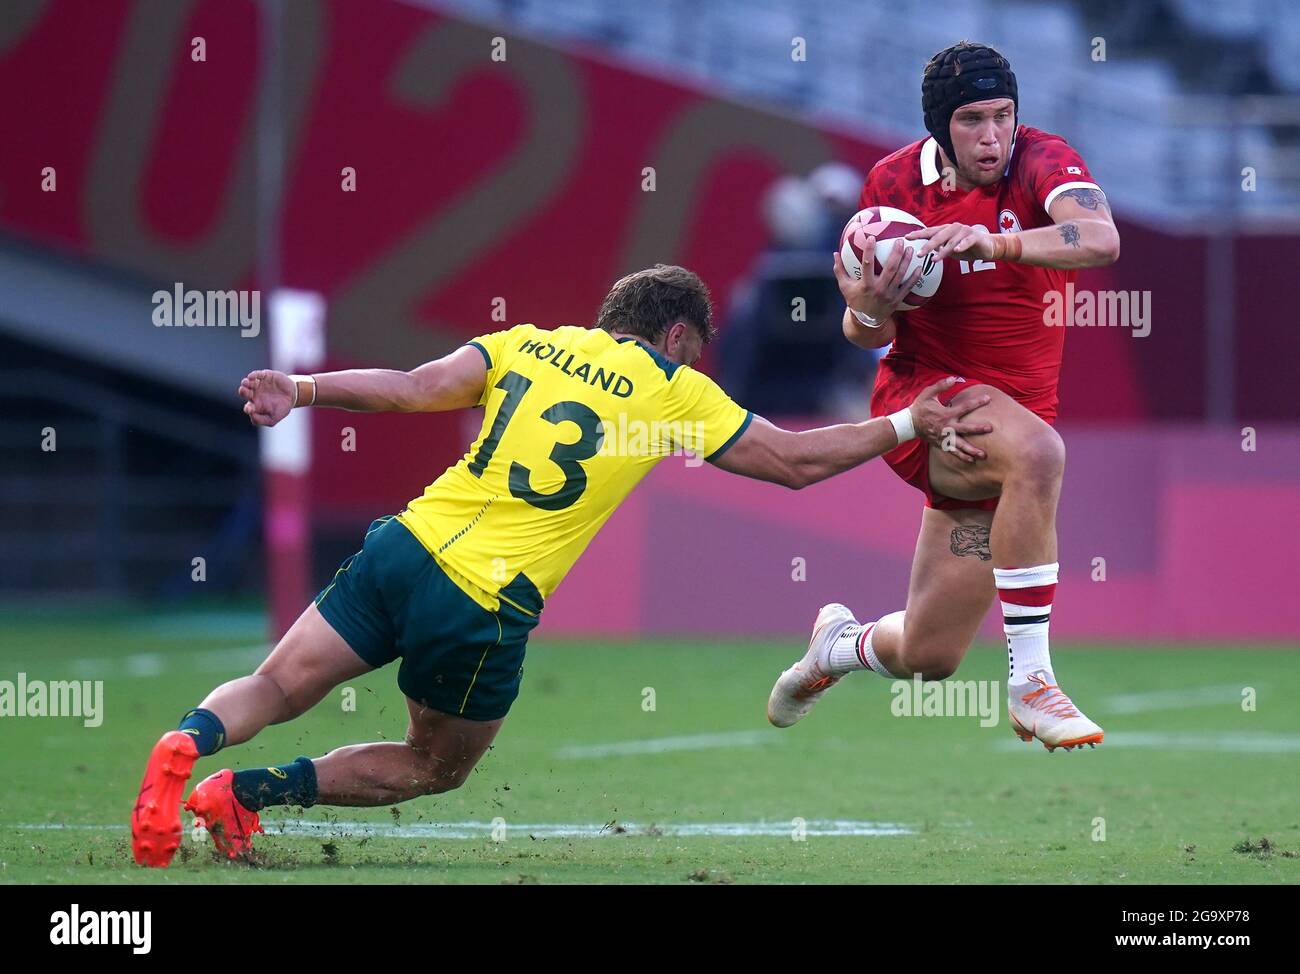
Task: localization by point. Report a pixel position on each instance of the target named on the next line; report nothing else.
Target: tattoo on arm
(1089, 199)
(1069, 233)
(971, 539)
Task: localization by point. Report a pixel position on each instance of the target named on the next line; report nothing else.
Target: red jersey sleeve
(1049, 167)
(868, 195)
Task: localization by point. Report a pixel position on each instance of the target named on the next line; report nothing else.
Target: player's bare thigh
(450, 746)
(309, 661)
(950, 591)
(1021, 443)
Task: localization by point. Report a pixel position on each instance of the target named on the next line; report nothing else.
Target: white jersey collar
(929, 162)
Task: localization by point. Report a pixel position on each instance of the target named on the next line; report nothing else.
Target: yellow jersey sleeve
(712, 420)
(493, 348)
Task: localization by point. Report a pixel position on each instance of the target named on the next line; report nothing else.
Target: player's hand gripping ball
(889, 225)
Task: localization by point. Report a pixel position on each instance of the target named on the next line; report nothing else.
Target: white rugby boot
(1042, 710)
(798, 689)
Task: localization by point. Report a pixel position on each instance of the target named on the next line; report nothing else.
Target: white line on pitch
(547, 830)
(1234, 742)
(665, 745)
(154, 664)
(1136, 703)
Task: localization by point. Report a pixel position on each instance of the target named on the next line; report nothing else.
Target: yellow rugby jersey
(574, 419)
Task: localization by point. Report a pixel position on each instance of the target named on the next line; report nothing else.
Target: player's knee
(937, 670)
(1040, 454)
(439, 780)
(436, 775)
(271, 684)
(298, 699)
(931, 663)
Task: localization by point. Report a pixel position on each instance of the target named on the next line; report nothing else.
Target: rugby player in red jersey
(1018, 212)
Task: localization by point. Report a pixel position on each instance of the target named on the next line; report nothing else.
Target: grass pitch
(587, 783)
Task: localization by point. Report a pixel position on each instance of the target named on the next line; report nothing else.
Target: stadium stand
(1168, 92)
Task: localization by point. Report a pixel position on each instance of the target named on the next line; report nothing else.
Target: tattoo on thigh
(971, 539)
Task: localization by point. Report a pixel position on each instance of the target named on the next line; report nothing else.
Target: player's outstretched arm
(454, 381)
(780, 456)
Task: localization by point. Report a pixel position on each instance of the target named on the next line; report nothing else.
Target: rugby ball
(888, 226)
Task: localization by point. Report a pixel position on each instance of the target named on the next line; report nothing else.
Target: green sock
(287, 784)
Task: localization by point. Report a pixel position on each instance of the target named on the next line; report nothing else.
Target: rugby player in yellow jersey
(573, 419)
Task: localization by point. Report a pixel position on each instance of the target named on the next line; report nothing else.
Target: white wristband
(903, 426)
(865, 320)
(295, 379)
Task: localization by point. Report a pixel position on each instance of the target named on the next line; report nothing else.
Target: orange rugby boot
(216, 809)
(156, 818)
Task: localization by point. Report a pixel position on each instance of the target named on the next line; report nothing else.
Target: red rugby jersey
(985, 323)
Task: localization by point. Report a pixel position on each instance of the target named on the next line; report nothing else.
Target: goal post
(297, 338)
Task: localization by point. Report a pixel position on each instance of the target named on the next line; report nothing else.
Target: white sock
(852, 650)
(1026, 595)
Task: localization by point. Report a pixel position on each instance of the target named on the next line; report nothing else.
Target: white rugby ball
(888, 225)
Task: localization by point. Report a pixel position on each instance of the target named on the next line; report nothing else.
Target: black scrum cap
(957, 76)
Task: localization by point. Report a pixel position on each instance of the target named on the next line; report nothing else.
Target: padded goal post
(297, 338)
